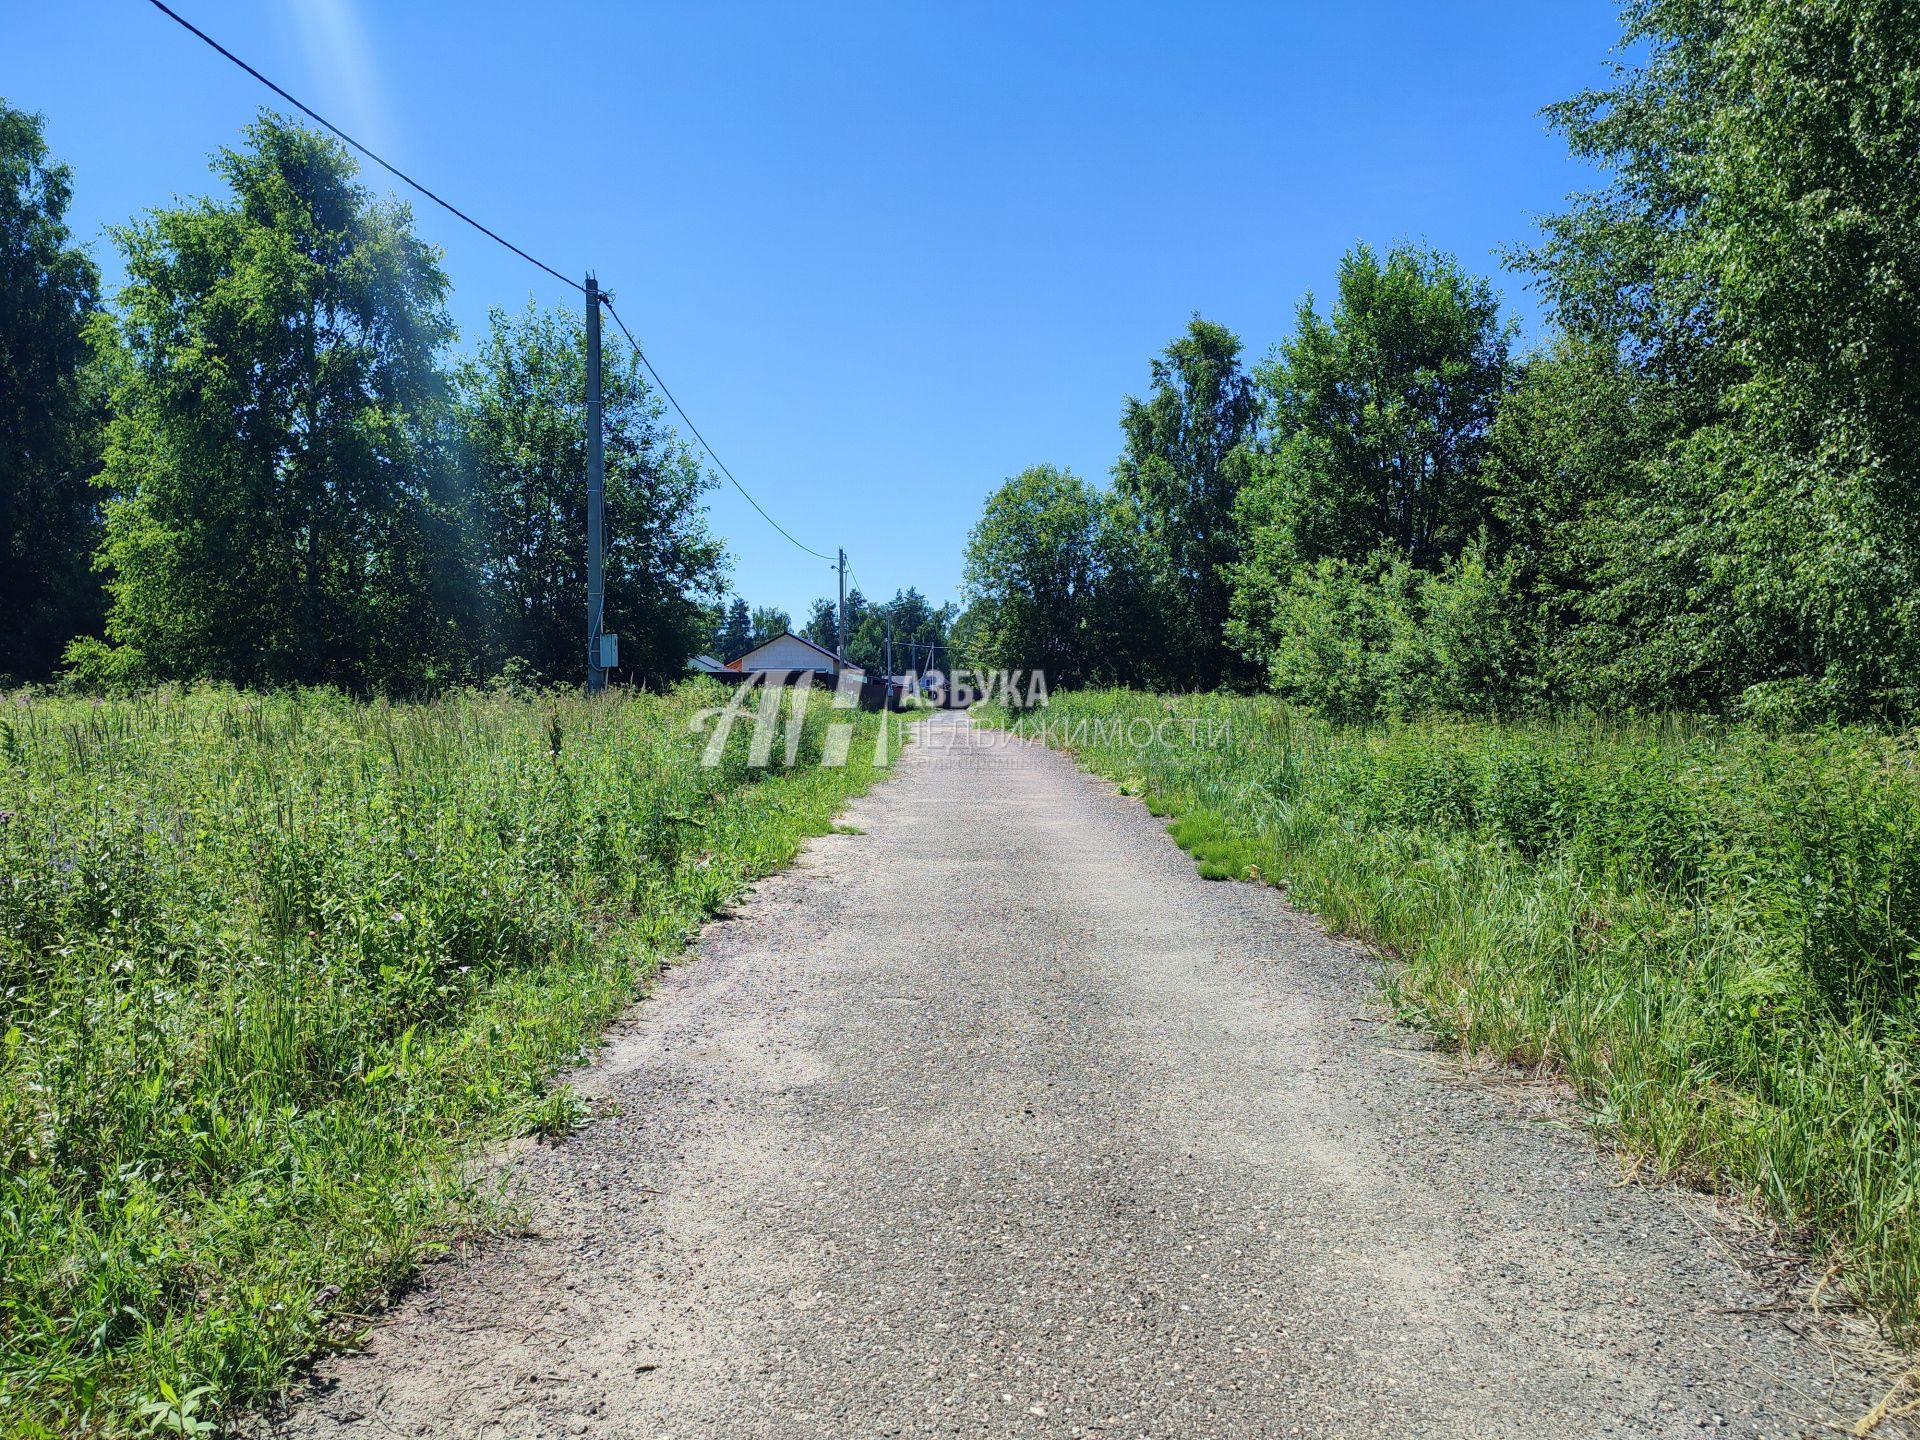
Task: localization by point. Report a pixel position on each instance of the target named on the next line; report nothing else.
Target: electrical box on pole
(596, 501)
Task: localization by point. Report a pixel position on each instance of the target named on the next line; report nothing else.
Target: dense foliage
(1132, 583)
(1756, 259)
(1176, 486)
(1379, 414)
(521, 406)
(278, 507)
(49, 409)
(273, 965)
(1712, 930)
(1032, 568)
(1701, 492)
(739, 628)
(259, 466)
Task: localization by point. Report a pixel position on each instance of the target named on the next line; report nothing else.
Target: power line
(687, 420)
(455, 210)
(385, 164)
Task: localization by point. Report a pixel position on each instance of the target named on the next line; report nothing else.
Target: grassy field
(1710, 930)
(274, 967)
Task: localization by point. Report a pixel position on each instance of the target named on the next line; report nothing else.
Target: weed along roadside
(1710, 930)
(275, 966)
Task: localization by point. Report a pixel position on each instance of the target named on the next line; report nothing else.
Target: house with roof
(791, 653)
(788, 656)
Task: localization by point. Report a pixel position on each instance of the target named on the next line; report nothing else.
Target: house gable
(788, 651)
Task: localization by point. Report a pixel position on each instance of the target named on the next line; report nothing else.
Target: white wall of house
(788, 652)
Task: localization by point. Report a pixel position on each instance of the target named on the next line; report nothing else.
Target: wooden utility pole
(596, 495)
(840, 630)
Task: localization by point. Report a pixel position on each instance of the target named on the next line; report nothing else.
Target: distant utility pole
(840, 630)
(596, 495)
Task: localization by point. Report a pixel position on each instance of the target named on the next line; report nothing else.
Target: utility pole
(840, 630)
(596, 494)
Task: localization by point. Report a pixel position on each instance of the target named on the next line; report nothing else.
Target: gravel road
(996, 1119)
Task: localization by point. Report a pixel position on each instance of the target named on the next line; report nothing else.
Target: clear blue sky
(885, 253)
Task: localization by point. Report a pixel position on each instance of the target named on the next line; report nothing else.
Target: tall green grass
(1711, 930)
(272, 967)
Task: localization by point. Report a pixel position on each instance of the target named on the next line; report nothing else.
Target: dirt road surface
(996, 1119)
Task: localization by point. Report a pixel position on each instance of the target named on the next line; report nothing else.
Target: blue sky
(886, 254)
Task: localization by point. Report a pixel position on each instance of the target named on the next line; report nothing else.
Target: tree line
(1701, 491)
(257, 465)
(916, 627)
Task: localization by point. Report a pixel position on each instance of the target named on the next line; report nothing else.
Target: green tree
(1756, 253)
(915, 621)
(823, 620)
(1183, 468)
(918, 629)
(522, 404)
(1478, 647)
(280, 505)
(1139, 631)
(1566, 459)
(767, 622)
(1379, 416)
(1031, 575)
(964, 643)
(734, 635)
(49, 410)
(1380, 411)
(1568, 435)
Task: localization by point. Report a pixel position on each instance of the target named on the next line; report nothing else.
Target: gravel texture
(996, 1119)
